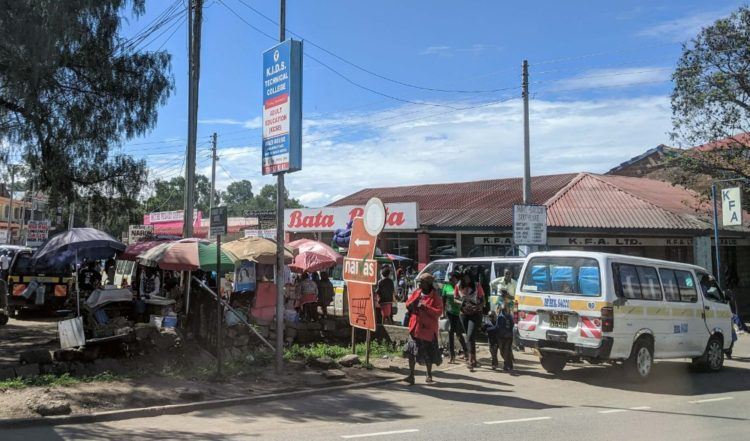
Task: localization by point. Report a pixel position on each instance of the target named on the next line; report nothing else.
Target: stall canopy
(77, 244)
(258, 250)
(140, 247)
(187, 255)
(313, 256)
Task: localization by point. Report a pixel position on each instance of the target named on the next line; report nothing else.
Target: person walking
(424, 307)
(325, 293)
(505, 327)
(309, 297)
(471, 296)
(452, 311)
(4, 264)
(493, 337)
(385, 291)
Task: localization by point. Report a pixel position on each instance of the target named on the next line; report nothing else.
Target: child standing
(505, 331)
(493, 336)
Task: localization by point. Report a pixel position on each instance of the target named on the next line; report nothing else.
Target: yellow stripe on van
(657, 311)
(635, 310)
(530, 301)
(723, 314)
(28, 279)
(682, 312)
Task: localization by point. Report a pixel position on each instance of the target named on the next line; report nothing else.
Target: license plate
(557, 320)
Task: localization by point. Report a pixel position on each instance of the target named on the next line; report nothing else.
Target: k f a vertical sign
(731, 206)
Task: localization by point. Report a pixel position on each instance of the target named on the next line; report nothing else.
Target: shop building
(585, 211)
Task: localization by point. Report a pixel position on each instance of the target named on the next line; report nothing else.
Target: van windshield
(563, 275)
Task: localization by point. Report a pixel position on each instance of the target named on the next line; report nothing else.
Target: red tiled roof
(577, 200)
(741, 138)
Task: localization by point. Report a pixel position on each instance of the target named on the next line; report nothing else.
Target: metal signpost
(218, 227)
(360, 269)
(282, 142)
(530, 225)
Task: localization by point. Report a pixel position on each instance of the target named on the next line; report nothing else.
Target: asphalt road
(584, 402)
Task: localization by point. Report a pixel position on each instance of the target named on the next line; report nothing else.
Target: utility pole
(195, 18)
(10, 207)
(214, 158)
(526, 140)
(280, 196)
(71, 215)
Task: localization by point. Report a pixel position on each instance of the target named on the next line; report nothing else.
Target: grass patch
(317, 350)
(63, 380)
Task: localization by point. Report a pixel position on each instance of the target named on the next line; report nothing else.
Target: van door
(716, 309)
(689, 315)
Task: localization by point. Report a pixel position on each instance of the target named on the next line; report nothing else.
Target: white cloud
(449, 51)
(624, 77)
(347, 152)
(683, 28)
(253, 123)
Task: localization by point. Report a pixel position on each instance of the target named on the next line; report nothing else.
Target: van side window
(629, 285)
(668, 281)
(439, 270)
(686, 284)
(650, 287)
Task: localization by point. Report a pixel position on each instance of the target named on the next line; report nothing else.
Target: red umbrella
(313, 256)
(133, 250)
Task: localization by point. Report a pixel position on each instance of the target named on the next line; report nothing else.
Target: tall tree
(239, 197)
(711, 102)
(70, 89)
(170, 195)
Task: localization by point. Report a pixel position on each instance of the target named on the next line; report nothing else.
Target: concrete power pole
(280, 199)
(526, 141)
(195, 19)
(214, 158)
(10, 207)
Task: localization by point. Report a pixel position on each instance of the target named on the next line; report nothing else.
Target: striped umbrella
(187, 255)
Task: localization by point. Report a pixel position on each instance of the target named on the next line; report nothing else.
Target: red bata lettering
(297, 220)
(392, 219)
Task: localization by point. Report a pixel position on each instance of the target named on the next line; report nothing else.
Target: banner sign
(265, 234)
(282, 108)
(138, 232)
(398, 216)
(530, 224)
(167, 216)
(37, 232)
(731, 206)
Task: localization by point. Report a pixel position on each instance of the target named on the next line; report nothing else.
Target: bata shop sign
(398, 216)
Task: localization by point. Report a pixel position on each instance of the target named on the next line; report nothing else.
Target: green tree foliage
(71, 89)
(170, 195)
(239, 197)
(711, 102)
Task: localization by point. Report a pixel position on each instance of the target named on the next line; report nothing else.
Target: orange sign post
(360, 269)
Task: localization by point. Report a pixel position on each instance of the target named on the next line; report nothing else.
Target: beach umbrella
(313, 256)
(187, 255)
(258, 250)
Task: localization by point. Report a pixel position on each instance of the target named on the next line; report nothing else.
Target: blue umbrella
(77, 244)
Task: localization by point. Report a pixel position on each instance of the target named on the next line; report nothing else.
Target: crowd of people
(310, 295)
(462, 304)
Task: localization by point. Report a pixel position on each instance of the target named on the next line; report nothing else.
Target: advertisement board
(37, 232)
(530, 224)
(265, 234)
(399, 216)
(138, 232)
(282, 108)
(731, 206)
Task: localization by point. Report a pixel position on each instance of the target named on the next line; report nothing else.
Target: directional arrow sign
(361, 242)
(360, 273)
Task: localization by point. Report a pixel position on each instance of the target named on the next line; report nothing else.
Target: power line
(375, 74)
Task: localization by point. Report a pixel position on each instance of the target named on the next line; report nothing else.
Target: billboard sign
(37, 232)
(138, 232)
(530, 224)
(398, 216)
(218, 221)
(265, 234)
(282, 108)
(731, 206)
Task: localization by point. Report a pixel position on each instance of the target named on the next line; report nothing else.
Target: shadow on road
(663, 412)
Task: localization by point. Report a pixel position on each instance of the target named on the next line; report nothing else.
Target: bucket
(169, 321)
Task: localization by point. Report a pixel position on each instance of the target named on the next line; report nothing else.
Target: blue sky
(599, 75)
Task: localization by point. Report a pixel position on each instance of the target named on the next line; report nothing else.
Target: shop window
(402, 245)
(443, 246)
(669, 282)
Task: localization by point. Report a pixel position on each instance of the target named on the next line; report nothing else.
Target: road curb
(174, 409)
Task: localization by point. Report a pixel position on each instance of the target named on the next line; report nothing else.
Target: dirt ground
(172, 377)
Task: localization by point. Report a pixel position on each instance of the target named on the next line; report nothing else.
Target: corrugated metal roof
(477, 204)
(596, 201)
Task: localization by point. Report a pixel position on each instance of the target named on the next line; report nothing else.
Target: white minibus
(598, 307)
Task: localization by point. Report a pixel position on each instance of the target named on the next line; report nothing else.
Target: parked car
(622, 309)
(54, 279)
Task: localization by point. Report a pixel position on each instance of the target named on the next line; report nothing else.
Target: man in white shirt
(4, 265)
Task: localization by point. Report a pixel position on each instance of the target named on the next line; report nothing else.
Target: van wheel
(712, 359)
(553, 363)
(3, 319)
(638, 366)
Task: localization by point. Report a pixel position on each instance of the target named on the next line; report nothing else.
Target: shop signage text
(731, 206)
(493, 241)
(138, 232)
(399, 216)
(282, 108)
(167, 216)
(37, 232)
(266, 234)
(530, 224)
